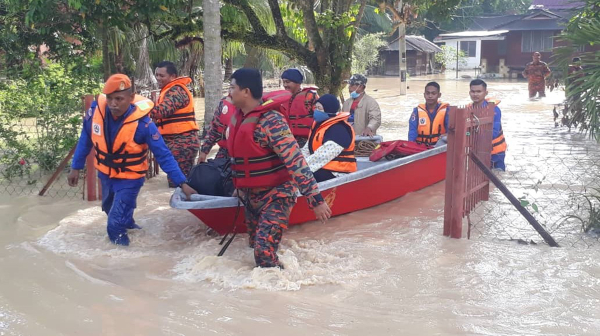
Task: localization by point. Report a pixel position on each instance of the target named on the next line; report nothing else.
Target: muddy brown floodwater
(382, 271)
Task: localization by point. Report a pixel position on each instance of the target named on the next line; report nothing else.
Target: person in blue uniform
(119, 129)
(429, 121)
(478, 92)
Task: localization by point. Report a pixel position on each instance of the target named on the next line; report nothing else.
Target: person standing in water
(267, 184)
(536, 73)
(118, 127)
(429, 121)
(175, 117)
(478, 92)
(216, 132)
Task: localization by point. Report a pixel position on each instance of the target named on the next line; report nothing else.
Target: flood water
(382, 271)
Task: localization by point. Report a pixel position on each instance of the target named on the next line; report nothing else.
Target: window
(532, 41)
(469, 47)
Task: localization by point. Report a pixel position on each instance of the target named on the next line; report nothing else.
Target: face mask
(354, 95)
(320, 116)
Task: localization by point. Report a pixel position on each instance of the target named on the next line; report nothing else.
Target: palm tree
(213, 77)
(583, 95)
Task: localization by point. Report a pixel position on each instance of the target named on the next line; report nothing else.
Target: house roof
(556, 4)
(536, 19)
(414, 42)
(479, 33)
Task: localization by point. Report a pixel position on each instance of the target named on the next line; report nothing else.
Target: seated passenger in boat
(329, 150)
(429, 121)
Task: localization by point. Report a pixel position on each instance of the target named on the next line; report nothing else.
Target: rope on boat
(364, 148)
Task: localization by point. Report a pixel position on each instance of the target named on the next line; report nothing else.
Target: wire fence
(559, 186)
(23, 173)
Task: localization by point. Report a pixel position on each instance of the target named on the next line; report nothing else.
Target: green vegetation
(40, 118)
(366, 52)
(448, 56)
(583, 94)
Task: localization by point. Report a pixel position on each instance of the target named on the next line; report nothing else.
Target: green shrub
(40, 118)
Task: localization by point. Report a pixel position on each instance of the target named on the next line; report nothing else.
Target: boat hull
(357, 194)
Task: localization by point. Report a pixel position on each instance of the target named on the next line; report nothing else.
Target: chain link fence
(559, 185)
(23, 174)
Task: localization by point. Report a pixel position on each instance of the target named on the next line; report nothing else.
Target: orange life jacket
(253, 166)
(345, 162)
(429, 131)
(298, 114)
(126, 159)
(498, 143)
(183, 120)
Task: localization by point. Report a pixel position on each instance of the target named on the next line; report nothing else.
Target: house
(504, 44)
(419, 57)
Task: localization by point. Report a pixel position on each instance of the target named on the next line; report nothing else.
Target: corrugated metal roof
(479, 33)
(490, 23)
(417, 43)
(536, 19)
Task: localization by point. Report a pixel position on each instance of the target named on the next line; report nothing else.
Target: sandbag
(395, 149)
(212, 177)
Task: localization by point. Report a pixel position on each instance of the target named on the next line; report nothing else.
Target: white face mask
(354, 95)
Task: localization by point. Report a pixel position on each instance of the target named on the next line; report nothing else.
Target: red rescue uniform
(299, 111)
(254, 166)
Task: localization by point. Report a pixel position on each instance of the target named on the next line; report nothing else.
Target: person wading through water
(429, 121)
(117, 126)
(175, 117)
(267, 184)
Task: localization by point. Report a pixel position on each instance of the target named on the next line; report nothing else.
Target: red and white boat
(374, 183)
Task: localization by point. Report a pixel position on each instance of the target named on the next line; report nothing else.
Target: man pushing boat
(118, 127)
(267, 167)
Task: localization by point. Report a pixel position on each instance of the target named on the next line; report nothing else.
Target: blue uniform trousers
(498, 161)
(118, 204)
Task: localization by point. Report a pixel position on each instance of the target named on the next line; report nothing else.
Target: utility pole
(402, 48)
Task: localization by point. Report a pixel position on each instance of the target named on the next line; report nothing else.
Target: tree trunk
(143, 74)
(252, 60)
(212, 58)
(105, 53)
(228, 69)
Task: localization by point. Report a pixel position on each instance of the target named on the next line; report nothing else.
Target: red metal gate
(469, 132)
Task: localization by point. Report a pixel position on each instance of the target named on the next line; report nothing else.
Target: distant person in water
(329, 151)
(536, 73)
(478, 92)
(576, 74)
(118, 127)
(429, 121)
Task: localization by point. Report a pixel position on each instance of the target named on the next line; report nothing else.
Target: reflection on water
(381, 271)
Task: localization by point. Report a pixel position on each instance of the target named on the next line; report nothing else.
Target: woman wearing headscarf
(329, 150)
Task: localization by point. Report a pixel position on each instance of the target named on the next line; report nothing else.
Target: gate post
(455, 172)
(92, 183)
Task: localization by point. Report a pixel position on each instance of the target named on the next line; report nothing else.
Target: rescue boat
(374, 183)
